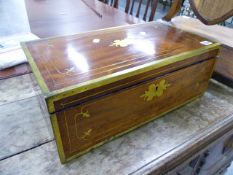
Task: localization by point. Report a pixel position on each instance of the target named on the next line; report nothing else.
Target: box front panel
(84, 126)
(79, 98)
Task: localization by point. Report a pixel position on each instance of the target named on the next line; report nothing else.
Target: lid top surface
(67, 61)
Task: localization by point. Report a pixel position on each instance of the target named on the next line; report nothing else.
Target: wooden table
(64, 17)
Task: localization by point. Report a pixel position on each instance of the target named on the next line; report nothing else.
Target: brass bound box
(101, 84)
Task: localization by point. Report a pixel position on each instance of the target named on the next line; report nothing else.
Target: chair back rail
(135, 6)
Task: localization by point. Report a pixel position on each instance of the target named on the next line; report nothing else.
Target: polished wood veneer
(113, 114)
(66, 61)
(101, 84)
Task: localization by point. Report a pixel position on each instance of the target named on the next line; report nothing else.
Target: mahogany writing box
(101, 84)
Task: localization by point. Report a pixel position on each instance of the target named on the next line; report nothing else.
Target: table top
(110, 55)
(64, 17)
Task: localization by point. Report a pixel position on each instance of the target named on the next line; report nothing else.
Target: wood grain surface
(67, 61)
(127, 82)
(94, 122)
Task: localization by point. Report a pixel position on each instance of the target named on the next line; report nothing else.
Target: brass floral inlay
(121, 43)
(83, 114)
(155, 90)
(86, 134)
(67, 71)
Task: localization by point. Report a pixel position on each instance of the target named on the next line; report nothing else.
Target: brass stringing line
(64, 104)
(101, 31)
(102, 72)
(67, 130)
(102, 67)
(153, 117)
(162, 71)
(193, 54)
(83, 115)
(75, 74)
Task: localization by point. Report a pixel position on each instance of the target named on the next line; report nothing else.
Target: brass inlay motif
(83, 114)
(155, 90)
(121, 43)
(86, 134)
(67, 71)
(70, 70)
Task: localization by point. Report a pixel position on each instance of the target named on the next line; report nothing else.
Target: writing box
(102, 84)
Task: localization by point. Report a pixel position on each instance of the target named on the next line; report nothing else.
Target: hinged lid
(73, 64)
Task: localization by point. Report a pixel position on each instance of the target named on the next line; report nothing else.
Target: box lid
(77, 63)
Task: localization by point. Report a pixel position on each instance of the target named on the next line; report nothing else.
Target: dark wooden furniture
(224, 68)
(102, 84)
(56, 18)
(152, 4)
(212, 12)
(209, 12)
(175, 8)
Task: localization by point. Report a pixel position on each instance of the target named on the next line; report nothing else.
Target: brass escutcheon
(155, 90)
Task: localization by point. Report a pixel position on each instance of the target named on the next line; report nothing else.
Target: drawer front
(82, 127)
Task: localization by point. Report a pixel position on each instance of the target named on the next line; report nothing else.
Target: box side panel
(90, 124)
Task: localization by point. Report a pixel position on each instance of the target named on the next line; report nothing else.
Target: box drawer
(80, 128)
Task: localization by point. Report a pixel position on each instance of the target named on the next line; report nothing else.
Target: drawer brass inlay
(86, 134)
(155, 90)
(83, 114)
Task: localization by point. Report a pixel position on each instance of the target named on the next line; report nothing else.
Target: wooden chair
(132, 6)
(151, 6)
(209, 13)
